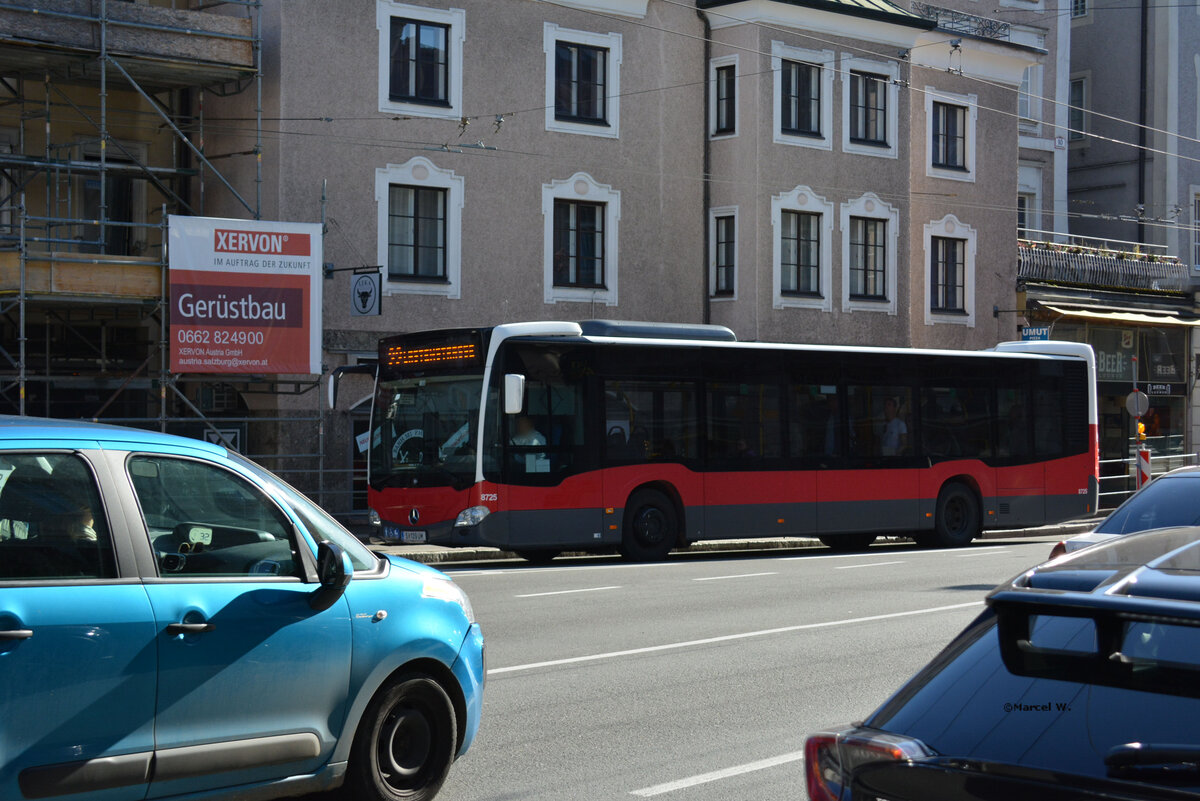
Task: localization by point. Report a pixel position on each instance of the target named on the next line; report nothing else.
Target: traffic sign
(1137, 403)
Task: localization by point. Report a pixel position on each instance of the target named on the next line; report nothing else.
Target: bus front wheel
(651, 527)
(957, 519)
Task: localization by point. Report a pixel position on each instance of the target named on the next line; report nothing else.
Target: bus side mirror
(514, 393)
(336, 376)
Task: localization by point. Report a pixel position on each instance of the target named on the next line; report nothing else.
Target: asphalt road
(698, 678)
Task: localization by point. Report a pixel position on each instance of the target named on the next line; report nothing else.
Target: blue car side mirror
(334, 571)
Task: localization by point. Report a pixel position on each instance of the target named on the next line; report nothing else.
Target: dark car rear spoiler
(1016, 608)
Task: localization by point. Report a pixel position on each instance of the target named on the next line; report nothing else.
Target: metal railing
(1105, 269)
(1122, 482)
(949, 19)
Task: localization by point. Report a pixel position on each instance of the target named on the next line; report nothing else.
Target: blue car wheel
(406, 742)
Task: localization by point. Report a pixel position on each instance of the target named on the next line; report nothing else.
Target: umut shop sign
(245, 296)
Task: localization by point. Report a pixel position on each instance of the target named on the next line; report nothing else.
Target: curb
(437, 554)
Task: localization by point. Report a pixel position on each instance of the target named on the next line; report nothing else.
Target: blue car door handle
(16, 634)
(189, 628)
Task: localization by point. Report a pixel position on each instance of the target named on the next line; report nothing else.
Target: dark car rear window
(1168, 501)
(967, 704)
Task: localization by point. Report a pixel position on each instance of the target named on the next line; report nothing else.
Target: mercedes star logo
(414, 516)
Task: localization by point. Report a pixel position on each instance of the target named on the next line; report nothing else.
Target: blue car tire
(405, 743)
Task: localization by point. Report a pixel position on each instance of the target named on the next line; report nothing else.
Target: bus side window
(744, 423)
(956, 421)
(649, 421)
(546, 436)
(1012, 428)
(880, 420)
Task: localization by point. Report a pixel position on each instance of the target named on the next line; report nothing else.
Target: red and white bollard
(1143, 468)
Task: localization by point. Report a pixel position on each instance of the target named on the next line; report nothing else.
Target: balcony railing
(950, 20)
(1100, 268)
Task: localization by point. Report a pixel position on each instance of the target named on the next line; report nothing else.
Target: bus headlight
(446, 590)
(373, 518)
(472, 517)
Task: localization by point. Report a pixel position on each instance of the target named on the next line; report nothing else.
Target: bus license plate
(408, 536)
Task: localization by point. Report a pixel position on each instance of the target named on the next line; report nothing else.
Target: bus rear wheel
(957, 519)
(847, 542)
(651, 527)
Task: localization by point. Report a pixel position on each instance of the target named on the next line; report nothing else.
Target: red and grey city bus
(544, 437)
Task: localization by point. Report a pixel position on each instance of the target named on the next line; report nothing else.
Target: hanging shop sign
(245, 296)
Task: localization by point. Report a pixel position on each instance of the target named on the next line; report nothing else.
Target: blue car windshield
(1167, 501)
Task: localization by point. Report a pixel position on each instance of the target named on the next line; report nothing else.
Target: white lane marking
(728, 638)
(982, 553)
(566, 592)
(739, 575)
(868, 564)
(717, 775)
(565, 567)
(891, 551)
(906, 551)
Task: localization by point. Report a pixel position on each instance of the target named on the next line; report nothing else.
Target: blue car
(176, 621)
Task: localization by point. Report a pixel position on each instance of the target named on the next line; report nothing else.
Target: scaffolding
(102, 136)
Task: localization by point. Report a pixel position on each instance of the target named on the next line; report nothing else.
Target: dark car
(1080, 680)
(1172, 499)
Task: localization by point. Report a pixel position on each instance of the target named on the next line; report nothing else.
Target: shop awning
(1120, 315)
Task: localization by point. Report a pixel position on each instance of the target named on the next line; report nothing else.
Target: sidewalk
(437, 554)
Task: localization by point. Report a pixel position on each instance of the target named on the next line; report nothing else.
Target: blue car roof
(13, 428)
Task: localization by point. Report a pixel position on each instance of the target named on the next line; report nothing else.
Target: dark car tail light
(831, 756)
(1058, 550)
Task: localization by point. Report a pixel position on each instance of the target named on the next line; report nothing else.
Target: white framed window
(802, 222)
(1195, 227)
(870, 247)
(581, 218)
(722, 255)
(803, 96)
(626, 8)
(583, 81)
(419, 228)
(420, 59)
(1025, 211)
(950, 135)
(1029, 100)
(1077, 118)
(1079, 8)
(1029, 200)
(869, 106)
(950, 249)
(722, 97)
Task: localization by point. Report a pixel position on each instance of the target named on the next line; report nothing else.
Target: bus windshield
(424, 432)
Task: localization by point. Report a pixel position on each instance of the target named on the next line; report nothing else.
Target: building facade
(1134, 185)
(830, 171)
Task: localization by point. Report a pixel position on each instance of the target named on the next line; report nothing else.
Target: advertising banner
(245, 296)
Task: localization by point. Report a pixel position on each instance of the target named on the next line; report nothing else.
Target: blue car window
(52, 524)
(207, 521)
(318, 522)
